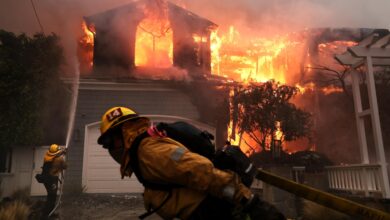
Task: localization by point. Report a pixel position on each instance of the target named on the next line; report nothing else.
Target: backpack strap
(134, 164)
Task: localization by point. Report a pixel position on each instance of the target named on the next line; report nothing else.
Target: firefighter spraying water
(55, 160)
(52, 174)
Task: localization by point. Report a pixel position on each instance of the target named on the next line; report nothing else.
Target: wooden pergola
(372, 51)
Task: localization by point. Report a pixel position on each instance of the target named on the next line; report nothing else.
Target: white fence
(360, 178)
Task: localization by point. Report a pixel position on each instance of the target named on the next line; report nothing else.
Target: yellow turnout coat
(163, 160)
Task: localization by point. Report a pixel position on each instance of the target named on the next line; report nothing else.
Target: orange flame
(263, 59)
(331, 89)
(89, 33)
(154, 39)
(215, 46)
(233, 136)
(278, 133)
(85, 50)
(258, 60)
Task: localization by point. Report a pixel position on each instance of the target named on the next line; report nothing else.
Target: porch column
(359, 114)
(376, 125)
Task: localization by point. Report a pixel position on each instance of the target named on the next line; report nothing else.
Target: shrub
(14, 210)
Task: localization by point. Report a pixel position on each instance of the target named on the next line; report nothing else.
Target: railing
(360, 178)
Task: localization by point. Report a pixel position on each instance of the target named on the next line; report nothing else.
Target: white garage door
(101, 173)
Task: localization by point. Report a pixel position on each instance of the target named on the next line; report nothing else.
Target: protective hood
(130, 131)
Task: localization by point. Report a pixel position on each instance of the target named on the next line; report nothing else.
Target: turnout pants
(212, 208)
(51, 186)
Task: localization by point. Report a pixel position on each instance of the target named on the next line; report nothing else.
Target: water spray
(72, 115)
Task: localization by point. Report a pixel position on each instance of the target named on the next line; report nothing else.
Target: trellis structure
(372, 51)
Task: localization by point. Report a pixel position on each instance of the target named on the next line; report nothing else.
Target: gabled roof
(175, 13)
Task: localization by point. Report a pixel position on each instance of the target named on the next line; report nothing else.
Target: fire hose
(326, 199)
(60, 195)
(70, 127)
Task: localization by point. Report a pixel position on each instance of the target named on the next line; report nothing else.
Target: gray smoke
(291, 15)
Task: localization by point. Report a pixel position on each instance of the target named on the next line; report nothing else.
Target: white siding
(21, 169)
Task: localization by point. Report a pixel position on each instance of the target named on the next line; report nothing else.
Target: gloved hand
(242, 161)
(237, 161)
(259, 209)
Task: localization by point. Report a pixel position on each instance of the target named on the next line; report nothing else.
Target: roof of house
(176, 13)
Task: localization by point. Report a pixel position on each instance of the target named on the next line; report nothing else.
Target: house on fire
(120, 36)
(113, 82)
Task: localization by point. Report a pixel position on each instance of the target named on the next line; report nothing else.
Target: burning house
(120, 77)
(170, 64)
(129, 57)
(147, 36)
(130, 54)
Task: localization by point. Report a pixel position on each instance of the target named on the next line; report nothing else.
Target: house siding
(20, 176)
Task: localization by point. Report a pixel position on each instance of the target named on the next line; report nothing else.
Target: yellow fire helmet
(114, 117)
(54, 148)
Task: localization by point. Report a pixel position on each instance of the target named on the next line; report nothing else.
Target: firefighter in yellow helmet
(196, 189)
(53, 165)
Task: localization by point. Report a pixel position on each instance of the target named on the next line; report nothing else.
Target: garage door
(101, 173)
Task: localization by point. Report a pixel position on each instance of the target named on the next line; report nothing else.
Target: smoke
(61, 17)
(291, 15)
(172, 73)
